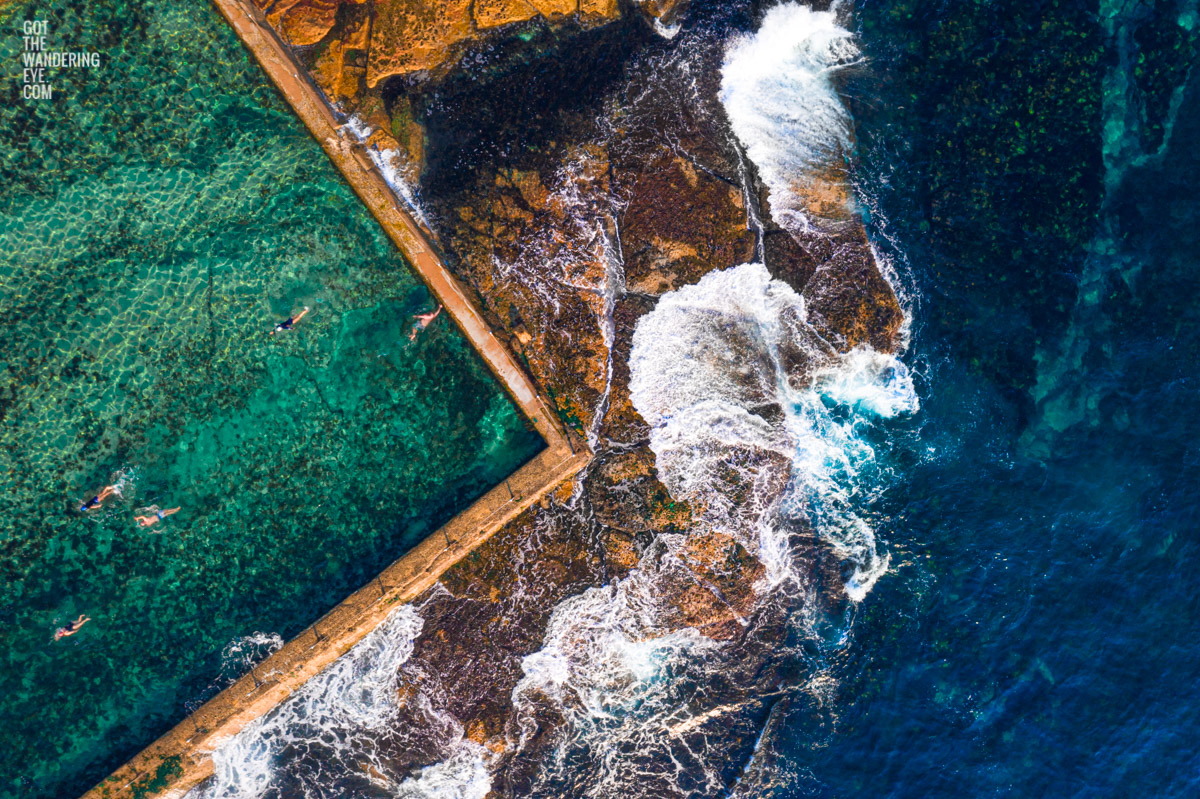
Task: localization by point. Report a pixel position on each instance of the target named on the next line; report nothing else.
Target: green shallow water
(156, 217)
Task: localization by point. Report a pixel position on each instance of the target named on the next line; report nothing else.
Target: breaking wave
(737, 389)
(759, 427)
(397, 172)
(245, 651)
(778, 92)
(342, 712)
(463, 775)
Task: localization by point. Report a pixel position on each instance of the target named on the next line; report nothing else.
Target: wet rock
(832, 265)
(847, 296)
(515, 240)
(679, 223)
(598, 11)
(626, 495)
(714, 591)
(622, 423)
(492, 608)
(622, 551)
(518, 774)
(676, 171)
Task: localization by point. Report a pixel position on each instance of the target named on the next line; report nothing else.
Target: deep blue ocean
(1032, 169)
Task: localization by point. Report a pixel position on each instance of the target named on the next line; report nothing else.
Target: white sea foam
(399, 174)
(463, 775)
(666, 31)
(244, 651)
(601, 652)
(735, 388)
(124, 481)
(342, 709)
(777, 89)
(610, 669)
(870, 382)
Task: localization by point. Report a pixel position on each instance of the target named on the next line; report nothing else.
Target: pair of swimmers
(154, 514)
(422, 322)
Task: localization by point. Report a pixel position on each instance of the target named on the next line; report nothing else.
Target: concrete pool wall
(181, 759)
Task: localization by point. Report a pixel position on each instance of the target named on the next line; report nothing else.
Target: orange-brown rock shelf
(378, 39)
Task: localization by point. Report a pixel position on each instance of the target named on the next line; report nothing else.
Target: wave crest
(777, 89)
(755, 422)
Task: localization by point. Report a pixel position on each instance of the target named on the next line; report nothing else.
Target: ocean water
(157, 217)
(1031, 168)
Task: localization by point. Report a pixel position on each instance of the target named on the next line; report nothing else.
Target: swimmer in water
(71, 627)
(287, 324)
(155, 515)
(423, 320)
(95, 501)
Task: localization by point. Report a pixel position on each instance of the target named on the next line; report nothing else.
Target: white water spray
(343, 709)
(240, 654)
(736, 387)
(777, 89)
(397, 172)
(463, 775)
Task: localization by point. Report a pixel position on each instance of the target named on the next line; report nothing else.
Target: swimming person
(287, 324)
(71, 627)
(95, 501)
(423, 320)
(159, 515)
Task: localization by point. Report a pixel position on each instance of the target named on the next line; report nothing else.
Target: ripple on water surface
(159, 215)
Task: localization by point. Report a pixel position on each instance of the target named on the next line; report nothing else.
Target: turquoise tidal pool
(158, 216)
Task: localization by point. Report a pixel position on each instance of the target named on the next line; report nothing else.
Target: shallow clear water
(157, 217)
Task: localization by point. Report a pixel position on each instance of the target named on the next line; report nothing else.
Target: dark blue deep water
(1033, 168)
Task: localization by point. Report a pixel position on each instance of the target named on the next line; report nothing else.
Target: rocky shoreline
(570, 230)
